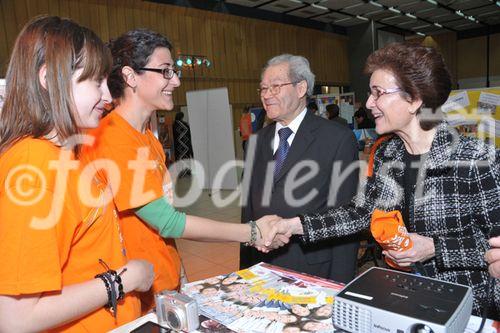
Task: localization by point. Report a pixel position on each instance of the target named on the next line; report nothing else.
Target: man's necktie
(282, 150)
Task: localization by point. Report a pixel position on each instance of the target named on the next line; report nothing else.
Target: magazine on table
(267, 299)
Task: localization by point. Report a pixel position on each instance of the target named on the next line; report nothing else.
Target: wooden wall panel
(472, 57)
(495, 55)
(238, 47)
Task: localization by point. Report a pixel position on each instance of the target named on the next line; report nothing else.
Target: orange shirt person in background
(55, 225)
(245, 127)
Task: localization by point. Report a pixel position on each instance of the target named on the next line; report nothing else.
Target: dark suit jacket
(323, 142)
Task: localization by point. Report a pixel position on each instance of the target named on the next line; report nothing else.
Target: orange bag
(389, 230)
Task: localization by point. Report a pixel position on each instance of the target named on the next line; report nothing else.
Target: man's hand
(272, 236)
(492, 256)
(422, 250)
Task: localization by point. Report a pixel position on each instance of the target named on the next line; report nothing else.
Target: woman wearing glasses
(446, 186)
(142, 80)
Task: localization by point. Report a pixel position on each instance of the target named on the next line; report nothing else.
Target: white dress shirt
(294, 126)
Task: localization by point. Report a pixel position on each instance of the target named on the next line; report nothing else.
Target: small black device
(151, 327)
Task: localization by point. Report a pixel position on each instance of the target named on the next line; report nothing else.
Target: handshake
(275, 232)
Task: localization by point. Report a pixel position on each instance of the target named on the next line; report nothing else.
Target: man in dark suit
(295, 166)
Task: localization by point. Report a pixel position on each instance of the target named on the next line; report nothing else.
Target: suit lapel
(302, 140)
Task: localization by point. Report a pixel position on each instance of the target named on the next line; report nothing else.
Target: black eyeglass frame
(168, 73)
(274, 87)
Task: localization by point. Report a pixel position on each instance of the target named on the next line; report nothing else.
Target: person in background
(182, 142)
(57, 249)
(362, 119)
(142, 80)
(245, 128)
(447, 186)
(333, 111)
(283, 153)
(313, 107)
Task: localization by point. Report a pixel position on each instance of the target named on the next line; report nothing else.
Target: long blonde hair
(62, 46)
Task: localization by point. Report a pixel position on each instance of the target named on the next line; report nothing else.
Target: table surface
(472, 326)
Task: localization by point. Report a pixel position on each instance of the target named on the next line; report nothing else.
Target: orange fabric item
(45, 255)
(246, 126)
(371, 159)
(118, 142)
(389, 230)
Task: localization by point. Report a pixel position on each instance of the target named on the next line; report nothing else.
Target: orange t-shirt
(140, 183)
(49, 238)
(246, 126)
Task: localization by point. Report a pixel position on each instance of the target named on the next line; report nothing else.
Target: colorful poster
(323, 100)
(475, 112)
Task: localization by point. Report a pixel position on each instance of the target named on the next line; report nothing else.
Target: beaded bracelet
(110, 279)
(253, 233)
(108, 287)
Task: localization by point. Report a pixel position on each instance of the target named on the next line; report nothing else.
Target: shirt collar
(294, 124)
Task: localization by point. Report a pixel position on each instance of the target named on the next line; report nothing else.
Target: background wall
(466, 58)
(238, 47)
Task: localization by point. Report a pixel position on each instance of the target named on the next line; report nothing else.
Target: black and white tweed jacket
(456, 202)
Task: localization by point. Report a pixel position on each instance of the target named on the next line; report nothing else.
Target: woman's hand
(138, 276)
(422, 250)
(492, 256)
(270, 239)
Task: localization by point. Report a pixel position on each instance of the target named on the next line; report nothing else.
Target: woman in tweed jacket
(450, 202)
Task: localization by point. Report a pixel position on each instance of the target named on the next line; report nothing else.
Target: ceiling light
(433, 2)
(411, 15)
(376, 4)
(498, 3)
(296, 1)
(342, 20)
(459, 13)
(471, 18)
(420, 34)
(319, 7)
(438, 25)
(362, 18)
(394, 10)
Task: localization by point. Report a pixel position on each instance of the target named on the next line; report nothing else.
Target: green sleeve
(160, 215)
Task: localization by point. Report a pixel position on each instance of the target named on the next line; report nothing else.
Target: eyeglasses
(378, 92)
(274, 89)
(167, 73)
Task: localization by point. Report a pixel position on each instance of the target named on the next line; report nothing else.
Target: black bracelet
(108, 287)
(114, 297)
(118, 280)
(110, 278)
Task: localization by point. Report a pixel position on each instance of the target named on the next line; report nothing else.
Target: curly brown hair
(420, 72)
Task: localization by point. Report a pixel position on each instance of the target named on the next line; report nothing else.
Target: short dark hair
(134, 49)
(361, 113)
(333, 110)
(179, 116)
(312, 105)
(420, 72)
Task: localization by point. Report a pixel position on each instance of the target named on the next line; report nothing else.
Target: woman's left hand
(422, 250)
